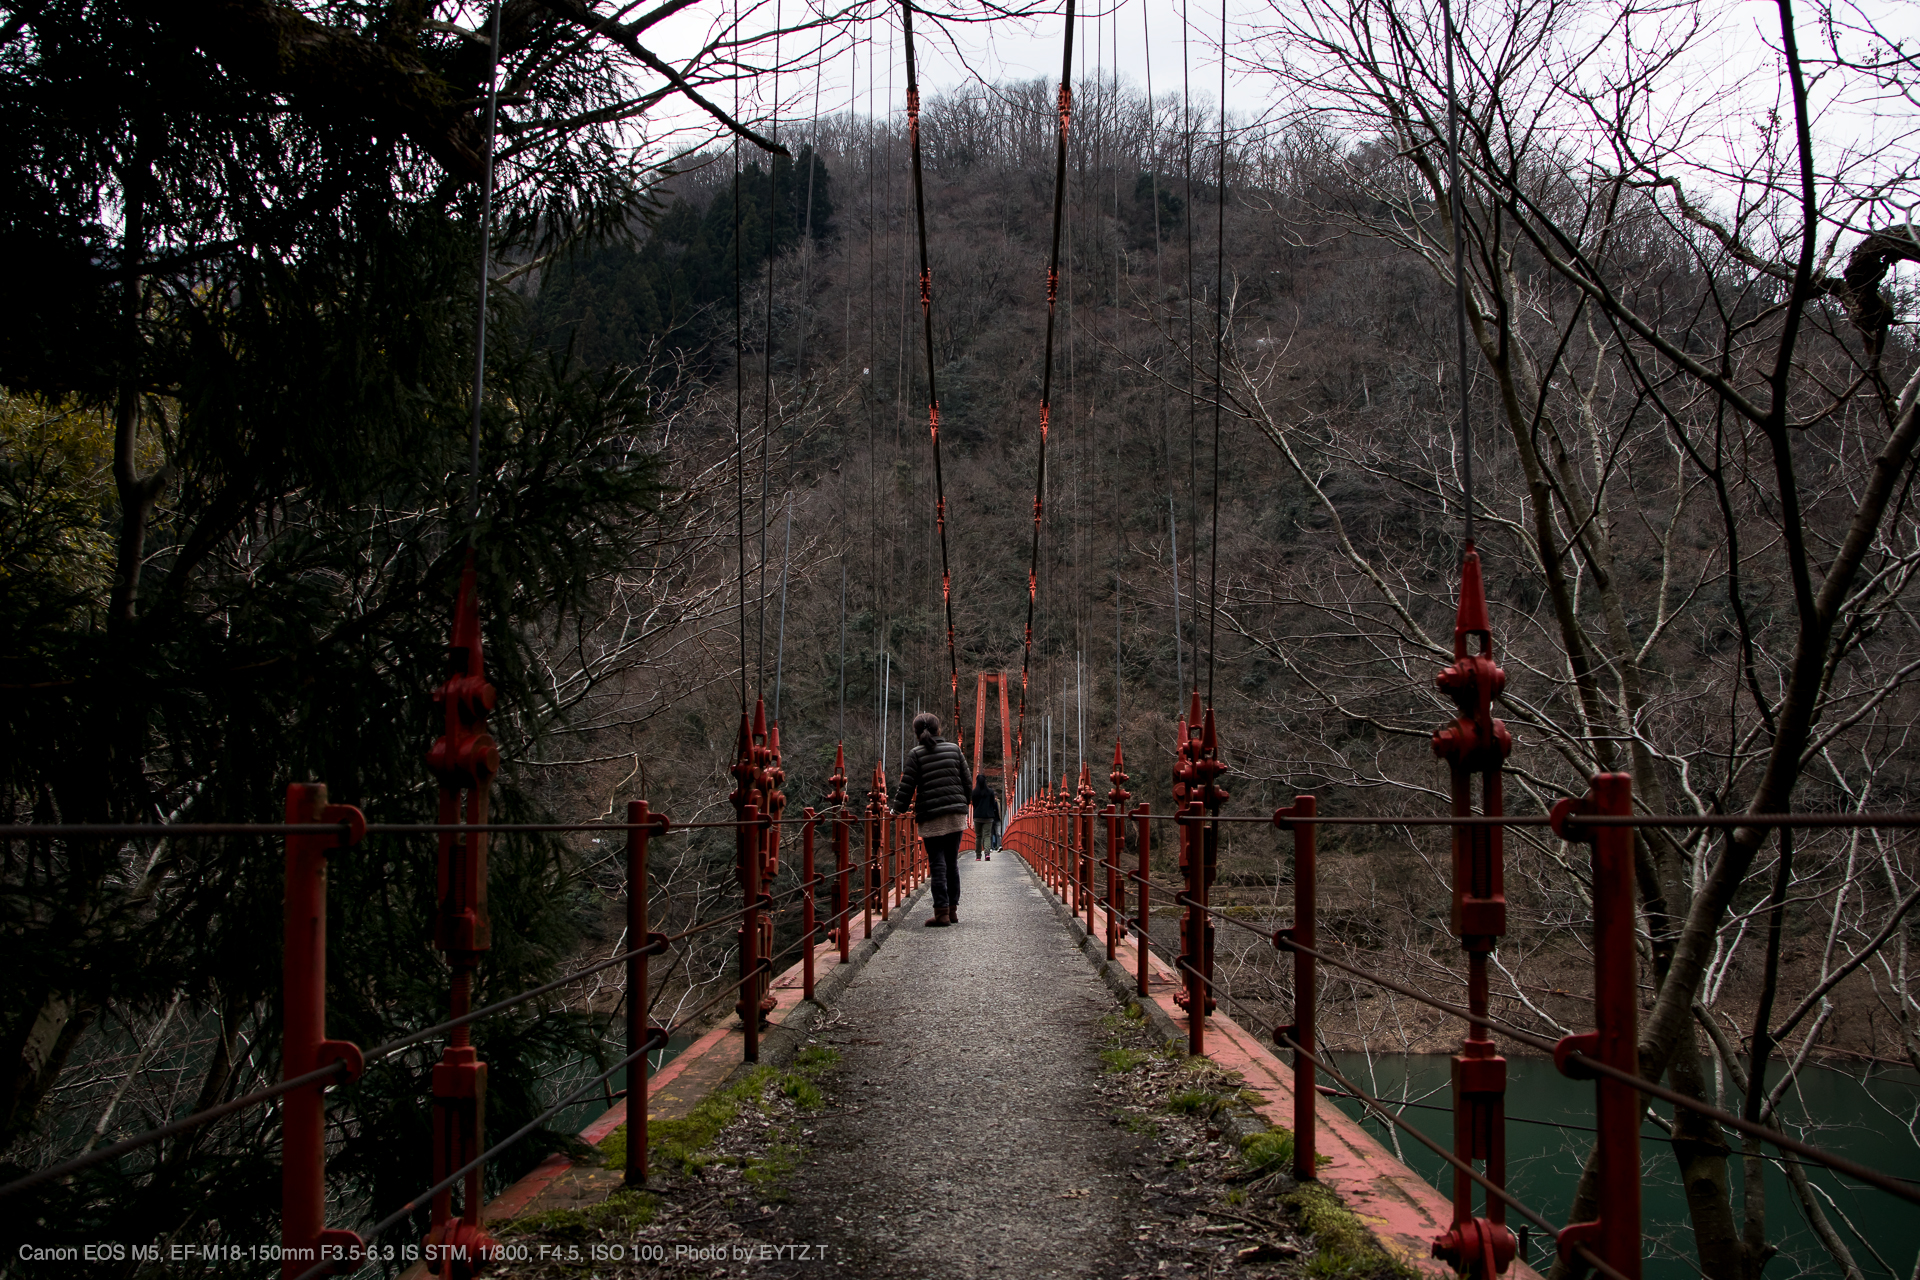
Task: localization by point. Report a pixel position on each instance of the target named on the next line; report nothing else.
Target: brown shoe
(953, 914)
(939, 919)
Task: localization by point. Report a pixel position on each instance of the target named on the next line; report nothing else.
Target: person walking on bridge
(986, 819)
(937, 782)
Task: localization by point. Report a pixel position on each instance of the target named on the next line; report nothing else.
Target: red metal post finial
(1119, 795)
(837, 782)
(1475, 745)
(464, 760)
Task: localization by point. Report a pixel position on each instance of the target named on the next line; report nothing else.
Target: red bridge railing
(1053, 830)
(879, 852)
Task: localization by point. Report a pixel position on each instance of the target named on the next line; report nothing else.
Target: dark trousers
(986, 833)
(943, 859)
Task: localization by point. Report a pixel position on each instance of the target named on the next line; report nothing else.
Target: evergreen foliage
(233, 474)
(613, 301)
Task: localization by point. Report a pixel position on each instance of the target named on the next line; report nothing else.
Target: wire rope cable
(739, 402)
(926, 315)
(1457, 202)
(1046, 377)
(1219, 350)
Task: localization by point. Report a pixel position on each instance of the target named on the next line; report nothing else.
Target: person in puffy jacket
(986, 818)
(937, 782)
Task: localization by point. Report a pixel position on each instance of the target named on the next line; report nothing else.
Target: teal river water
(1872, 1121)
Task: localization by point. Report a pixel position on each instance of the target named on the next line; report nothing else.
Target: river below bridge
(1872, 1121)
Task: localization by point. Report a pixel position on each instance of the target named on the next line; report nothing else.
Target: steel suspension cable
(766, 362)
(1219, 348)
(1458, 205)
(926, 314)
(1193, 421)
(739, 402)
(1046, 377)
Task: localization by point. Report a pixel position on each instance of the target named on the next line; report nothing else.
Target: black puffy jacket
(986, 805)
(936, 779)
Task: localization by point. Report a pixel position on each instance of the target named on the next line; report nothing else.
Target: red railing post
(767, 779)
(1069, 824)
(1196, 794)
(807, 905)
(1298, 818)
(464, 760)
(1143, 816)
(642, 825)
(876, 801)
(749, 855)
(749, 1003)
(1083, 819)
(1475, 744)
(1615, 1235)
(304, 1236)
(842, 898)
(1117, 798)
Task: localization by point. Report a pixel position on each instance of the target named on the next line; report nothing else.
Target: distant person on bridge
(986, 818)
(937, 782)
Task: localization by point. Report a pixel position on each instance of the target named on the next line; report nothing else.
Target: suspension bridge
(860, 870)
(1048, 936)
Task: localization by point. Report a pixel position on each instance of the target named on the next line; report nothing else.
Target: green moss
(766, 1172)
(1194, 1102)
(680, 1143)
(1343, 1247)
(1119, 1060)
(621, 1212)
(815, 1058)
(1269, 1151)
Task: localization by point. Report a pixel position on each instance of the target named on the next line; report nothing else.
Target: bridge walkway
(966, 1132)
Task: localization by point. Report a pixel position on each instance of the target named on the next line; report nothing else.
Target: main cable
(933, 395)
(1219, 347)
(1046, 377)
(1458, 206)
(766, 363)
(739, 403)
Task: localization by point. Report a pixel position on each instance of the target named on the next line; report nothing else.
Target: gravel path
(968, 1075)
(968, 1128)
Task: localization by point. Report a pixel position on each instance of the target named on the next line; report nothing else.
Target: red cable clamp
(1066, 109)
(926, 288)
(1477, 1245)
